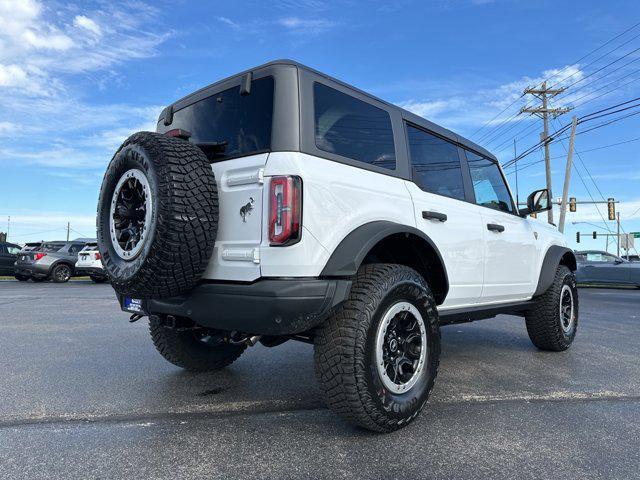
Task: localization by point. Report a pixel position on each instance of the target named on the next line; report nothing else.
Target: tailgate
(237, 247)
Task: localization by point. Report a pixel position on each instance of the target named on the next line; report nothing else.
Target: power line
(493, 133)
(522, 167)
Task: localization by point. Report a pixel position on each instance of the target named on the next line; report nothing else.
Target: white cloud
(304, 26)
(229, 22)
(81, 21)
(37, 44)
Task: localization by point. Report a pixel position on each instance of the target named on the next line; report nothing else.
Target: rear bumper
(91, 271)
(267, 306)
(31, 270)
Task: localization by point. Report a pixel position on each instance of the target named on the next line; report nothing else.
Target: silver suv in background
(51, 260)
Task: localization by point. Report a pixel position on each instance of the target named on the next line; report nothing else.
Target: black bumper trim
(267, 306)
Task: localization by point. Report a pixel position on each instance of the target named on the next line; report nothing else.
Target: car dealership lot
(84, 394)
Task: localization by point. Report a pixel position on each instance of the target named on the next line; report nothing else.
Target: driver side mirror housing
(537, 201)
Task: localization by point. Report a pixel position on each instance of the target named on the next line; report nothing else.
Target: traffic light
(578, 237)
(611, 206)
(572, 204)
(595, 235)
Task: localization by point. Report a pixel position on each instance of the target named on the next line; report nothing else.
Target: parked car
(282, 204)
(90, 263)
(8, 255)
(19, 273)
(50, 260)
(595, 266)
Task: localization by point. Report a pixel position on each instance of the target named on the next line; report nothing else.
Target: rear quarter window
(352, 128)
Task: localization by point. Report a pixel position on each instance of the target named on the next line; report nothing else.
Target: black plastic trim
(469, 314)
(270, 306)
(549, 266)
(349, 254)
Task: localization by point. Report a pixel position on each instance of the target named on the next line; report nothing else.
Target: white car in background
(90, 263)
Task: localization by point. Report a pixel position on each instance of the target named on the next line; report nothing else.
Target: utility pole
(618, 221)
(68, 230)
(543, 112)
(8, 226)
(567, 175)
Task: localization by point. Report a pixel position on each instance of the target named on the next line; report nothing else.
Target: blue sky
(76, 78)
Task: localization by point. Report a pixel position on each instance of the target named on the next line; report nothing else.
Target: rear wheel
(552, 324)
(376, 359)
(61, 273)
(196, 350)
(22, 278)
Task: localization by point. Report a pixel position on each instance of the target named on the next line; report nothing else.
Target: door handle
(441, 217)
(494, 227)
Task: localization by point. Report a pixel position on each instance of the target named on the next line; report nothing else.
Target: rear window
(352, 128)
(228, 124)
(51, 247)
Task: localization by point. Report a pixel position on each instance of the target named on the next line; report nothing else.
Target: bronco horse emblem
(247, 209)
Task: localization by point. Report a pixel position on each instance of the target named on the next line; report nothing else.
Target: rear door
(442, 212)
(233, 126)
(510, 253)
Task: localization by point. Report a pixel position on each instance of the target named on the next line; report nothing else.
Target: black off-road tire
(182, 231)
(345, 349)
(22, 278)
(543, 321)
(183, 349)
(61, 273)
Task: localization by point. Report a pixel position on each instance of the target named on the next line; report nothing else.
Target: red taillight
(39, 256)
(98, 256)
(285, 210)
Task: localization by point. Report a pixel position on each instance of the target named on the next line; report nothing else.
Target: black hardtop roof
(409, 116)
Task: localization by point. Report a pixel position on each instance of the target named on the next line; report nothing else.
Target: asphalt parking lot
(83, 394)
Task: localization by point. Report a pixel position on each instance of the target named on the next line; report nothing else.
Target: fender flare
(352, 250)
(552, 259)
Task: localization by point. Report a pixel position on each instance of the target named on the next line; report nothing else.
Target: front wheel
(553, 322)
(195, 350)
(376, 359)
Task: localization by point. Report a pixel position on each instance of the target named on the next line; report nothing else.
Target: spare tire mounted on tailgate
(157, 216)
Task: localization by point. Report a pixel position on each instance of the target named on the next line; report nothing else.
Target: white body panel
(510, 257)
(87, 259)
(458, 239)
(483, 267)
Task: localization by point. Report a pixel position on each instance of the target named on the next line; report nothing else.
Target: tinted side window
(13, 250)
(352, 128)
(75, 248)
(435, 163)
(489, 186)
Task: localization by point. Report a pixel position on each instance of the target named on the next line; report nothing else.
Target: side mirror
(537, 201)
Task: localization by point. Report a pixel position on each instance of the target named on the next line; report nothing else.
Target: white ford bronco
(282, 204)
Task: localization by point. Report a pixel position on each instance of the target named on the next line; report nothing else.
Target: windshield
(229, 124)
(90, 247)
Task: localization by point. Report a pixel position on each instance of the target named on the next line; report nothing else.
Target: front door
(509, 241)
